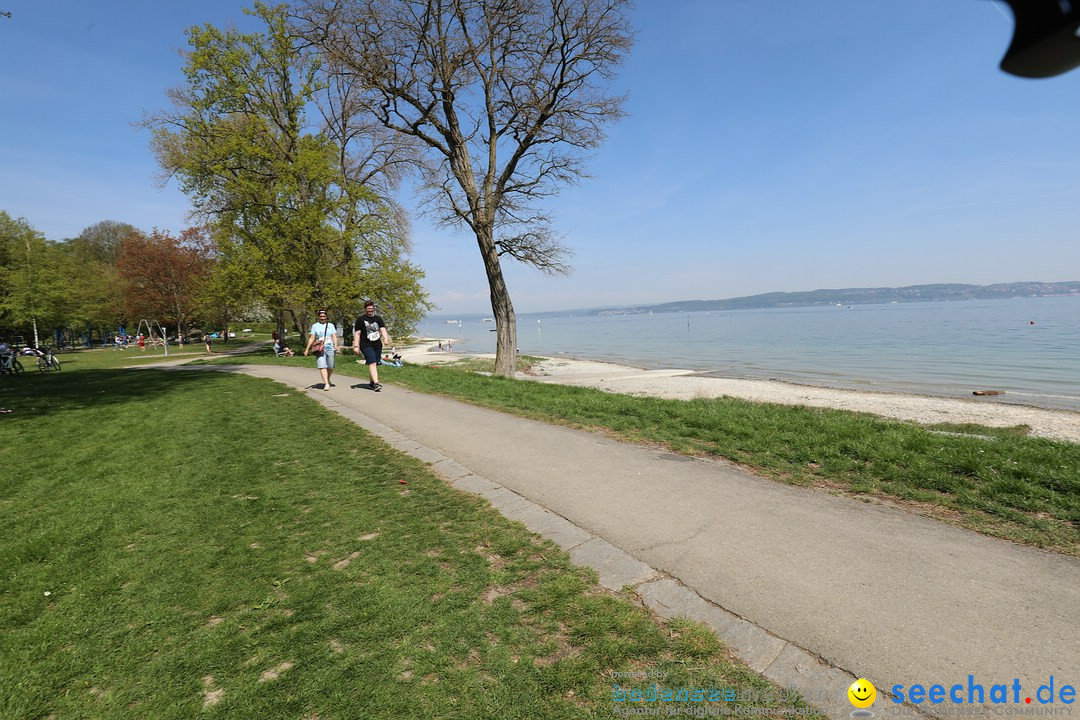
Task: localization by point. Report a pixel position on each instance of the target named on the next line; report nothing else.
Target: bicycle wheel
(16, 367)
(55, 364)
(42, 365)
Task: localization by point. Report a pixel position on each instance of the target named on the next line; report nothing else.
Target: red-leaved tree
(164, 275)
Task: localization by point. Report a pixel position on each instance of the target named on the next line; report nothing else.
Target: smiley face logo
(862, 693)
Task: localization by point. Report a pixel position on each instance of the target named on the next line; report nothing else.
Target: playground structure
(72, 338)
(154, 338)
(90, 337)
(120, 337)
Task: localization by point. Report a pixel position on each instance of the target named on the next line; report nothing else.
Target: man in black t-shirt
(369, 335)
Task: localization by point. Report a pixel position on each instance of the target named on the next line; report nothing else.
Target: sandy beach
(688, 385)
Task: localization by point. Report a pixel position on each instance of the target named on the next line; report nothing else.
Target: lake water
(937, 348)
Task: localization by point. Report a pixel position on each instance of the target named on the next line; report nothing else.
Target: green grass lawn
(181, 544)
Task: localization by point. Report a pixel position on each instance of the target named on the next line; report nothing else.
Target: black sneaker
(376, 386)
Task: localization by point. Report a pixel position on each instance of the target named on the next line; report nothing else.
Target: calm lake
(934, 348)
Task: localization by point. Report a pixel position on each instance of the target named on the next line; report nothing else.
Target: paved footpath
(810, 589)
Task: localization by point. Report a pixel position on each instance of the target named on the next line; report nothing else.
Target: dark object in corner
(988, 392)
(1044, 43)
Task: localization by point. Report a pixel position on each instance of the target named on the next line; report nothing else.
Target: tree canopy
(296, 220)
(33, 270)
(84, 281)
(101, 241)
(164, 275)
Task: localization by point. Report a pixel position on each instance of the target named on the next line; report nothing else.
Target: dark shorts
(371, 354)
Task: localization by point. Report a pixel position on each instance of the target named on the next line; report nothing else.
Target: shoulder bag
(318, 345)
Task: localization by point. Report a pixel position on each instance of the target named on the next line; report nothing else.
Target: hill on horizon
(859, 296)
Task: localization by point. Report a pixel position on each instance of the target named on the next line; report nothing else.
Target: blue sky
(768, 146)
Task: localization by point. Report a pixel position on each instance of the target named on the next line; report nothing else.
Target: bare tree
(503, 95)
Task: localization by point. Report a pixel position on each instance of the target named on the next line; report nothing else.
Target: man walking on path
(369, 335)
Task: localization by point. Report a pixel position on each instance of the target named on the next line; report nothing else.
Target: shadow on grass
(34, 395)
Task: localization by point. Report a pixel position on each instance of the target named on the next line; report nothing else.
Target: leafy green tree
(10, 232)
(400, 297)
(100, 242)
(502, 97)
(95, 294)
(97, 289)
(34, 290)
(296, 221)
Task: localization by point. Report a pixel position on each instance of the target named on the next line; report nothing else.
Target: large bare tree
(505, 96)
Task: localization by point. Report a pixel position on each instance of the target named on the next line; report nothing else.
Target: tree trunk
(279, 320)
(501, 307)
(300, 323)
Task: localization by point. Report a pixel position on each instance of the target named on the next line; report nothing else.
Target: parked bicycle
(9, 363)
(48, 361)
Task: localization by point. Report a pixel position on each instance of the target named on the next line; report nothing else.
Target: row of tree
(110, 275)
(114, 275)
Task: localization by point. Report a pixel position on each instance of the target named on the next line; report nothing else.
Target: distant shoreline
(1024, 350)
(684, 384)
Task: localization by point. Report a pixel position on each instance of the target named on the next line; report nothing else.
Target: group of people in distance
(369, 336)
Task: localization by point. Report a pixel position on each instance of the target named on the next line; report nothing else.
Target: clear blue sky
(769, 146)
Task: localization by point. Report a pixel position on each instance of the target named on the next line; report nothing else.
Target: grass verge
(185, 543)
(1000, 483)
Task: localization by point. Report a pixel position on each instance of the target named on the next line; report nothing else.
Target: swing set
(154, 338)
